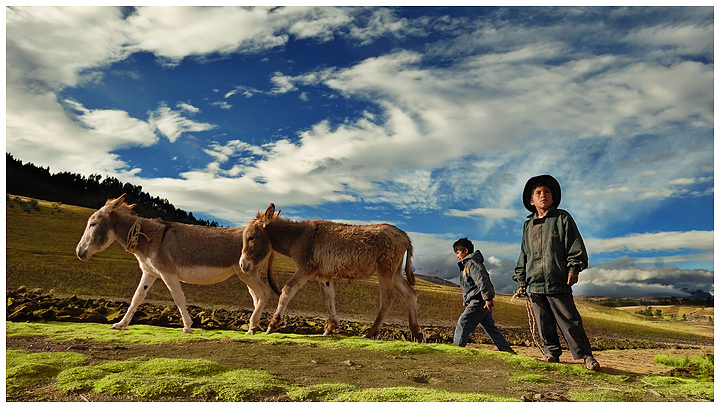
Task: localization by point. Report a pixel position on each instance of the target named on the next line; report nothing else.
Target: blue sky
(429, 118)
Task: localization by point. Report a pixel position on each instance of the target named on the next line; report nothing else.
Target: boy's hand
(572, 278)
(489, 304)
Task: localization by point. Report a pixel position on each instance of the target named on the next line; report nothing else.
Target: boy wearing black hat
(552, 255)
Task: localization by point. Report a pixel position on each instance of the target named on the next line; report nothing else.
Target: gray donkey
(173, 252)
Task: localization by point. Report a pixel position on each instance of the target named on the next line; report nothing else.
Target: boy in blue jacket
(478, 294)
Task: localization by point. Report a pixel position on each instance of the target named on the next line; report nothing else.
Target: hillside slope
(40, 253)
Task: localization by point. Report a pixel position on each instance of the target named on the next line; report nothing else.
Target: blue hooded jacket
(475, 280)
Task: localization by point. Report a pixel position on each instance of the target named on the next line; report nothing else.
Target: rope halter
(133, 236)
(532, 323)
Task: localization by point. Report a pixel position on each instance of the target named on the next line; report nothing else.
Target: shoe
(592, 364)
(511, 351)
(551, 359)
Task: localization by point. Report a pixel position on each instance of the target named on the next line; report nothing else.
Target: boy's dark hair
(463, 243)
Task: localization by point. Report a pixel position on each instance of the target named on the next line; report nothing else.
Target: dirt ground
(307, 365)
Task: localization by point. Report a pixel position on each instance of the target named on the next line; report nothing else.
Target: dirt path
(308, 365)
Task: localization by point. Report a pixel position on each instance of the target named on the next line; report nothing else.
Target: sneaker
(592, 364)
(551, 359)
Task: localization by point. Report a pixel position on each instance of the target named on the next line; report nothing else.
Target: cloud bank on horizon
(429, 118)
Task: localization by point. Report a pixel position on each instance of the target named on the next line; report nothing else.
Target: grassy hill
(40, 253)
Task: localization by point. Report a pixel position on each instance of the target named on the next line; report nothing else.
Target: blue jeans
(475, 314)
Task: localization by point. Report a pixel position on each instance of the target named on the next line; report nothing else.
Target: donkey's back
(356, 251)
(195, 245)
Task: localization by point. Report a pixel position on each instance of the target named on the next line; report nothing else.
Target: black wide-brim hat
(546, 180)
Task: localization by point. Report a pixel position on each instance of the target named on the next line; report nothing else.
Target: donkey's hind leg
(386, 300)
(409, 294)
(146, 281)
(328, 291)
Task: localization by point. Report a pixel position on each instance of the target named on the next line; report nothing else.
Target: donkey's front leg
(173, 284)
(288, 291)
(146, 281)
(260, 293)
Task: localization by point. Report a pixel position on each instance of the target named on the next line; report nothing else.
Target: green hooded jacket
(551, 246)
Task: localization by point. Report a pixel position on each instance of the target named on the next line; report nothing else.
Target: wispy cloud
(172, 124)
(494, 213)
(659, 241)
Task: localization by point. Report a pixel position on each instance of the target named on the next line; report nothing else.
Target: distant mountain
(697, 294)
(436, 280)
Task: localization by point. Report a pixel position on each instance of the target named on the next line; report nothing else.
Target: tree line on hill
(30, 180)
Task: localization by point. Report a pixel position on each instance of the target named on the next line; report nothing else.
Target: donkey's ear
(277, 213)
(268, 215)
(116, 201)
(269, 212)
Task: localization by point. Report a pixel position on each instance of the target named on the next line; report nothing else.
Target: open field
(40, 254)
(88, 362)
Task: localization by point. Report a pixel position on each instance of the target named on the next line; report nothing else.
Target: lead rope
(133, 236)
(537, 341)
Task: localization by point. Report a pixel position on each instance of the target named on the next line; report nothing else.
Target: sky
(428, 118)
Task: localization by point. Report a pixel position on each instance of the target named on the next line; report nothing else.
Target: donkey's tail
(271, 281)
(409, 275)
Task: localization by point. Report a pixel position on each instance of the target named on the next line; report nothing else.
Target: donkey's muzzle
(81, 253)
(245, 264)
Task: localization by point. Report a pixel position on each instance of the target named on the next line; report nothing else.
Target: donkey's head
(256, 243)
(99, 232)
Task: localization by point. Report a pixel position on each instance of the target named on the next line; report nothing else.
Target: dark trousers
(475, 314)
(559, 310)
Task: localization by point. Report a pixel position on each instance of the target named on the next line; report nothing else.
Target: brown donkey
(324, 250)
(173, 252)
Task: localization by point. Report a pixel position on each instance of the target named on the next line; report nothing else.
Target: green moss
(338, 392)
(136, 333)
(24, 369)
(320, 392)
(680, 387)
(158, 377)
(607, 395)
(413, 394)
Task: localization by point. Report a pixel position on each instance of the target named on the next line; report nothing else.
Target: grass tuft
(413, 394)
(320, 392)
(23, 369)
(701, 367)
(158, 377)
(606, 395)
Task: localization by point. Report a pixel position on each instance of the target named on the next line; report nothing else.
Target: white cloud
(172, 124)
(173, 33)
(188, 108)
(673, 241)
(222, 105)
(675, 39)
(623, 278)
(494, 213)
